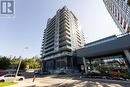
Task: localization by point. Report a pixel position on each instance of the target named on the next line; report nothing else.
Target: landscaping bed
(3, 84)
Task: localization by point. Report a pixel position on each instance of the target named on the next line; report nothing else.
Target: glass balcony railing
(64, 43)
(59, 55)
(124, 6)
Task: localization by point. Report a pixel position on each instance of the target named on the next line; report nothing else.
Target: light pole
(19, 64)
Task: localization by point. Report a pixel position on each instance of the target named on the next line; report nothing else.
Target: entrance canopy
(106, 46)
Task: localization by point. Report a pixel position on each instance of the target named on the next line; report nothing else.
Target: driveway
(65, 81)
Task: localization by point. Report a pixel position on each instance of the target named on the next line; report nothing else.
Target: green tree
(14, 60)
(4, 62)
(33, 63)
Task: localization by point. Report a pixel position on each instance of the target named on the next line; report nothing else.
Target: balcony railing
(124, 6)
(64, 43)
(59, 55)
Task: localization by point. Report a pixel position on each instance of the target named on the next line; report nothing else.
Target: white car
(10, 77)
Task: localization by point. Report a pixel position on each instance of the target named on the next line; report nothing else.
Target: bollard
(34, 77)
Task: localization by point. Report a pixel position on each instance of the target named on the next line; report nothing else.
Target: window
(13, 75)
(69, 44)
(121, 19)
(115, 12)
(118, 16)
(7, 76)
(113, 9)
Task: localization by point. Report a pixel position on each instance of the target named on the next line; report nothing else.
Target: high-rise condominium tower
(120, 12)
(62, 37)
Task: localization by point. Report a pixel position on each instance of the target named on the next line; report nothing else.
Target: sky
(25, 30)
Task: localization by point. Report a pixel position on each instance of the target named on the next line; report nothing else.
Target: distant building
(62, 37)
(120, 12)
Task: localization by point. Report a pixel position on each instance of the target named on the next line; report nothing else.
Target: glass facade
(108, 64)
(66, 64)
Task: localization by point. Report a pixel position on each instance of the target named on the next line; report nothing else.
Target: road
(65, 81)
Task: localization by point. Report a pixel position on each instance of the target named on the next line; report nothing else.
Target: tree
(23, 65)
(33, 63)
(4, 62)
(30, 63)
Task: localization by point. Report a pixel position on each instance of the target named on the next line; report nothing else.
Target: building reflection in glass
(109, 64)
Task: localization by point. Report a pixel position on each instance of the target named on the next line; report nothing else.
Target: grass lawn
(3, 84)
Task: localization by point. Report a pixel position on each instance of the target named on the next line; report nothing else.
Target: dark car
(2, 72)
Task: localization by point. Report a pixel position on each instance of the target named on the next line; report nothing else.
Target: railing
(58, 55)
(124, 6)
(123, 34)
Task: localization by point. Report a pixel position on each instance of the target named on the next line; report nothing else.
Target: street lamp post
(19, 64)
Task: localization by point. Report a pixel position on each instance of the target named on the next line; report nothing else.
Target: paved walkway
(61, 81)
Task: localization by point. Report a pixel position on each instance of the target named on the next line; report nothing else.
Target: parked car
(40, 72)
(11, 77)
(36, 72)
(3, 72)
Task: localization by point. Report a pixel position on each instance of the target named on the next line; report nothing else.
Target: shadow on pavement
(80, 82)
(91, 82)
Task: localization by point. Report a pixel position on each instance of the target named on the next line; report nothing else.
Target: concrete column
(119, 18)
(123, 22)
(85, 66)
(72, 62)
(127, 54)
(54, 66)
(66, 61)
(44, 65)
(127, 25)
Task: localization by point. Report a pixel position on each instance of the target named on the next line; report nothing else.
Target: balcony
(64, 38)
(49, 42)
(124, 6)
(59, 55)
(50, 48)
(65, 48)
(50, 35)
(64, 32)
(64, 43)
(50, 31)
(49, 39)
(49, 45)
